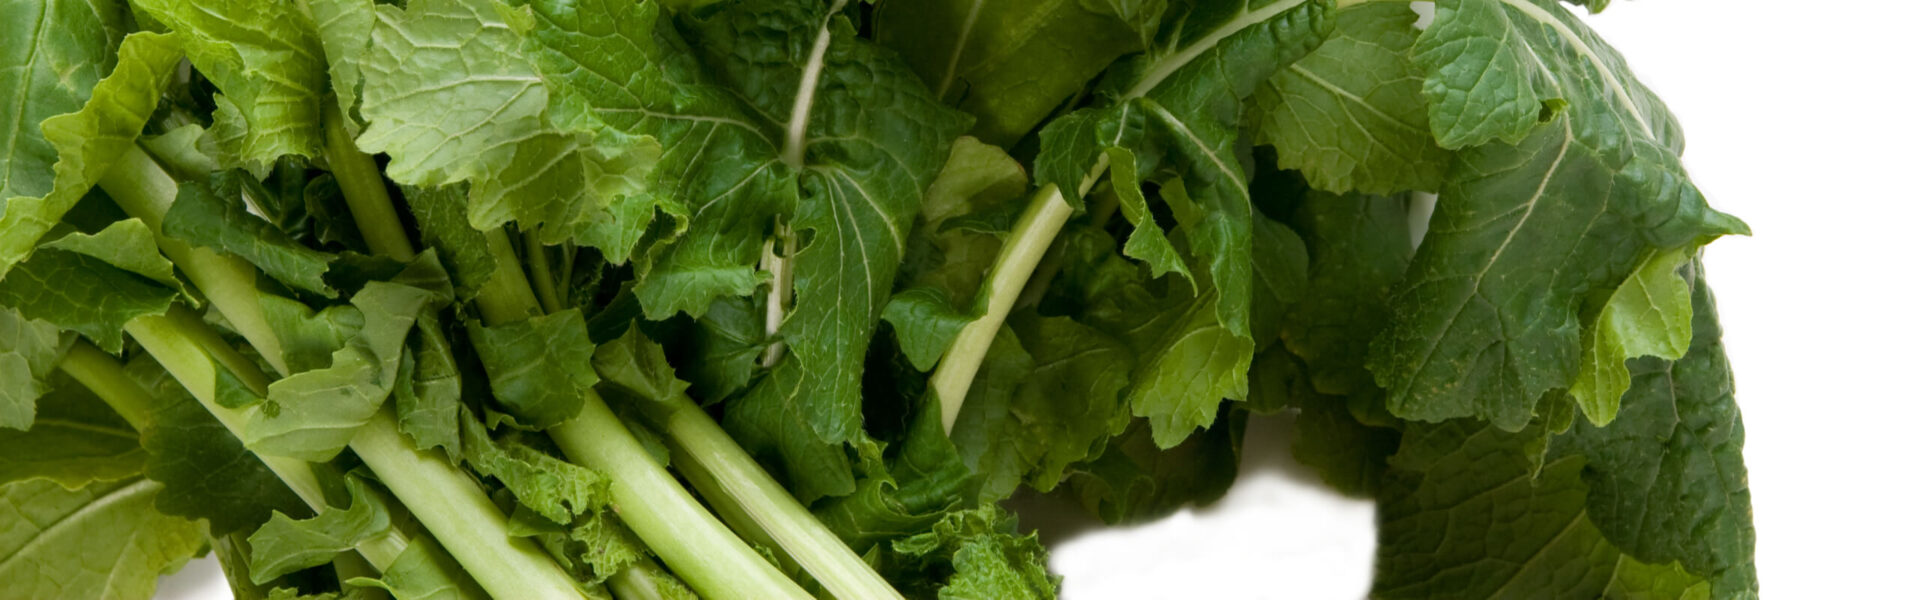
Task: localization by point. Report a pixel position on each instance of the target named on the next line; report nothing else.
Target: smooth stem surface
(365, 191)
(1031, 236)
(542, 275)
(104, 376)
(750, 498)
(145, 190)
(694, 544)
(636, 582)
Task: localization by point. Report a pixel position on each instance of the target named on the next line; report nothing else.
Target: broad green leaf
(427, 393)
(925, 321)
(57, 51)
(638, 365)
(88, 141)
(284, 545)
(206, 472)
(1007, 62)
(1279, 278)
(127, 244)
(1350, 115)
(1487, 320)
(214, 215)
(1350, 455)
(1668, 482)
(1148, 242)
(540, 368)
(102, 541)
(1073, 399)
(1463, 515)
(268, 67)
(29, 352)
(979, 182)
(76, 439)
(727, 345)
(1650, 314)
(448, 95)
(345, 28)
(987, 556)
(1635, 580)
(1359, 247)
(985, 432)
(82, 294)
(1188, 361)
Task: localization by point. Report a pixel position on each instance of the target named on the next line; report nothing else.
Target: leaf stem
(106, 378)
(780, 267)
(749, 498)
(1031, 236)
(542, 276)
(365, 191)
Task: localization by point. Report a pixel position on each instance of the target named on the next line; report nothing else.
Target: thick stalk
(542, 276)
(365, 191)
(779, 287)
(105, 377)
(445, 500)
(750, 499)
(694, 544)
(1031, 236)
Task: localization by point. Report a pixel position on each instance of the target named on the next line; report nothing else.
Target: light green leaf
(311, 415)
(541, 368)
(1350, 116)
(556, 489)
(1635, 580)
(128, 244)
(83, 294)
(88, 141)
(57, 51)
(427, 393)
(448, 95)
(102, 541)
(1650, 314)
(345, 26)
(206, 472)
(425, 571)
(987, 556)
(926, 322)
(1486, 320)
(1072, 401)
(269, 69)
(988, 437)
(29, 352)
(76, 439)
(284, 545)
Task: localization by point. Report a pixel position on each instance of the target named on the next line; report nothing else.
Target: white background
(1801, 119)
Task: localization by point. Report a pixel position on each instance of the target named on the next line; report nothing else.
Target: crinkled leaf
(214, 215)
(1668, 482)
(447, 93)
(556, 489)
(425, 571)
(1650, 314)
(83, 294)
(983, 556)
(1350, 116)
(926, 322)
(1136, 480)
(268, 67)
(102, 541)
(76, 439)
(313, 414)
(87, 141)
(29, 352)
(1009, 62)
(1359, 247)
(1487, 319)
(441, 216)
(427, 394)
(345, 26)
(284, 545)
(985, 432)
(1072, 401)
(541, 368)
(68, 47)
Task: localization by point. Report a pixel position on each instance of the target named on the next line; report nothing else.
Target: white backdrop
(1800, 118)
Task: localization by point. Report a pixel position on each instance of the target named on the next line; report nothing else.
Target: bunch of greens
(784, 298)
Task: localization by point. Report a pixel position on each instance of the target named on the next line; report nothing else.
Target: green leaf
(448, 95)
(638, 365)
(102, 541)
(345, 28)
(1487, 320)
(88, 141)
(29, 352)
(424, 571)
(988, 558)
(128, 244)
(1635, 580)
(284, 545)
(206, 472)
(1349, 115)
(427, 393)
(1359, 247)
(1135, 480)
(985, 432)
(1072, 401)
(76, 439)
(978, 183)
(926, 323)
(1279, 278)
(1668, 482)
(1007, 62)
(214, 215)
(69, 47)
(268, 67)
(540, 368)
(83, 294)
(312, 415)
(1650, 314)
(442, 217)
(727, 344)
(556, 489)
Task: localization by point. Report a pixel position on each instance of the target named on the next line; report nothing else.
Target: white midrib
(1580, 46)
(795, 152)
(1165, 68)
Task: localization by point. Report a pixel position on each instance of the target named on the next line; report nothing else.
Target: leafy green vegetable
(103, 540)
